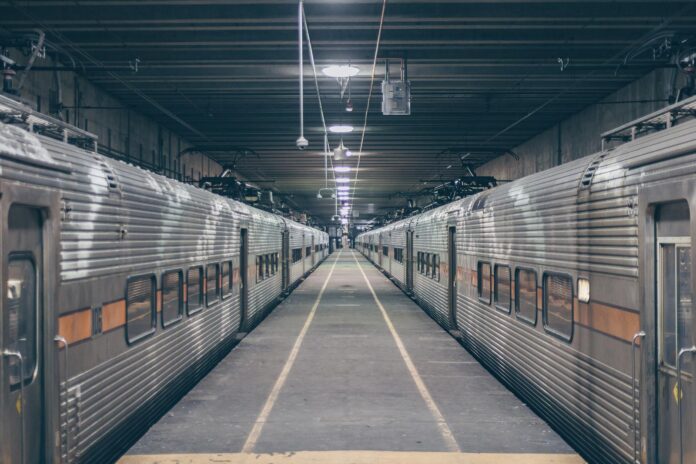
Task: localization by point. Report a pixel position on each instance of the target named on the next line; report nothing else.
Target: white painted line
(256, 430)
(453, 362)
(349, 304)
(445, 431)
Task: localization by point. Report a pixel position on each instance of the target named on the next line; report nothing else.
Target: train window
(558, 305)
(267, 264)
(296, 254)
(172, 297)
(420, 262)
(277, 262)
(399, 255)
(308, 252)
(194, 295)
(436, 267)
(427, 264)
(141, 307)
(526, 295)
(385, 250)
(503, 295)
(22, 309)
(226, 279)
(212, 282)
(675, 300)
(259, 268)
(484, 282)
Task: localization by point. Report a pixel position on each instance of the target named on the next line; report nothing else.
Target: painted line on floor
(256, 430)
(445, 430)
(355, 457)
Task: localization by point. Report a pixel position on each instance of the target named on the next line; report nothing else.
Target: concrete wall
(579, 135)
(122, 132)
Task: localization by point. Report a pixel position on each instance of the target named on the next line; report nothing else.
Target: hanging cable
(327, 159)
(369, 98)
(301, 141)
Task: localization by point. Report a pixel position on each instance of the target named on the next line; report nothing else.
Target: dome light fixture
(342, 180)
(342, 169)
(342, 188)
(340, 71)
(341, 129)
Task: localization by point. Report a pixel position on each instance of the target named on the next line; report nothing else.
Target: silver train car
(574, 287)
(121, 289)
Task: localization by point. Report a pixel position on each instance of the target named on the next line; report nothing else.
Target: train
(121, 289)
(574, 287)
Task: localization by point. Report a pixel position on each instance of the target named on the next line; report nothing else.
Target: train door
(243, 275)
(452, 274)
(676, 376)
(304, 254)
(379, 250)
(285, 258)
(390, 243)
(409, 260)
(22, 369)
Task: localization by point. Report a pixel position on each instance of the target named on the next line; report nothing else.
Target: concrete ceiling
(485, 76)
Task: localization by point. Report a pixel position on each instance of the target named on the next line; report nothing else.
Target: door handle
(61, 340)
(17, 355)
(682, 352)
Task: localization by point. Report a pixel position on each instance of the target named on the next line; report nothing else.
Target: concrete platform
(350, 370)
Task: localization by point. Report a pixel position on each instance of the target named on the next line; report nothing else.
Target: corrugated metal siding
(117, 221)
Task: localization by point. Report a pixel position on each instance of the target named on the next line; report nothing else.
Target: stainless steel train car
(121, 288)
(574, 287)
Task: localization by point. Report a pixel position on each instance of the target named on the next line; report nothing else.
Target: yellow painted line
(354, 457)
(256, 430)
(445, 431)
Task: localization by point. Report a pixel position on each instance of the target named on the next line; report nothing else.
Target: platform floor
(349, 370)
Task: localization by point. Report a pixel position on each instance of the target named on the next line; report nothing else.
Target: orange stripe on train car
(76, 326)
(113, 315)
(610, 320)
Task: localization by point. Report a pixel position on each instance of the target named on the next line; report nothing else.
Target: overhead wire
(67, 42)
(321, 108)
(369, 99)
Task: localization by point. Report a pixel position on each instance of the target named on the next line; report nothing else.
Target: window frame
(190, 312)
(153, 312)
(544, 315)
(497, 266)
(524, 319)
(230, 290)
(209, 303)
(436, 267)
(172, 322)
(479, 282)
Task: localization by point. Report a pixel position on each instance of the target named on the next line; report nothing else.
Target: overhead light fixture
(342, 180)
(342, 169)
(342, 188)
(341, 129)
(340, 71)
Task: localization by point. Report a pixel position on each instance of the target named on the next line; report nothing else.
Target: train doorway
(379, 250)
(22, 369)
(285, 258)
(243, 276)
(676, 326)
(452, 275)
(409, 261)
